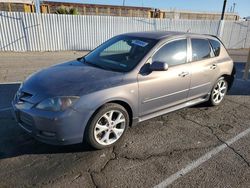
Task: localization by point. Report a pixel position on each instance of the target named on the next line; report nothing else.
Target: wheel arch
(229, 76)
(229, 79)
(123, 103)
(127, 107)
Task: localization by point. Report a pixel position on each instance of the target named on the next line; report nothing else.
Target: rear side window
(200, 49)
(173, 53)
(216, 47)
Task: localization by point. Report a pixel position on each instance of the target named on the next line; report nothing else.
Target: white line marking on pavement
(5, 109)
(6, 83)
(199, 161)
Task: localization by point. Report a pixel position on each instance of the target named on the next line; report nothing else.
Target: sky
(242, 6)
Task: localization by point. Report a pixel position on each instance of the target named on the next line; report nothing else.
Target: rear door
(204, 68)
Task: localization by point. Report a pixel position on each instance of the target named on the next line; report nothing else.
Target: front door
(161, 89)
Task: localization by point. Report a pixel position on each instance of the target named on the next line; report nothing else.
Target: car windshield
(121, 53)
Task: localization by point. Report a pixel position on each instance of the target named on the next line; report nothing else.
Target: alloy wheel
(219, 91)
(110, 127)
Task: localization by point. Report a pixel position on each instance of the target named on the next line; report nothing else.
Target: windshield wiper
(83, 60)
(112, 69)
(93, 64)
(80, 59)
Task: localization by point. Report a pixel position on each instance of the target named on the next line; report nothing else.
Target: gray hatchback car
(128, 79)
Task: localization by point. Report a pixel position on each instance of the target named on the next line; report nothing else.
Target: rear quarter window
(216, 47)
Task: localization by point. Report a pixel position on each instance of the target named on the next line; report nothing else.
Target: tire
(218, 92)
(103, 131)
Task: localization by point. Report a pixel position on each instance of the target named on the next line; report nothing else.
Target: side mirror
(158, 66)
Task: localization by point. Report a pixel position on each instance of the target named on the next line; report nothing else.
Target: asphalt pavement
(16, 66)
(199, 146)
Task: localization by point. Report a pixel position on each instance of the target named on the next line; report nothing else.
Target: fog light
(49, 134)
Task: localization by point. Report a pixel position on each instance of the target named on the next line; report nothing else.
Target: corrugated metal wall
(236, 34)
(50, 32)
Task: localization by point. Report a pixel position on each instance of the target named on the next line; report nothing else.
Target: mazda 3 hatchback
(128, 79)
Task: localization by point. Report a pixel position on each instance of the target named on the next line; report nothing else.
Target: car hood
(69, 79)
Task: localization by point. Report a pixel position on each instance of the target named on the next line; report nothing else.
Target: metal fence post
(247, 67)
(37, 6)
(220, 29)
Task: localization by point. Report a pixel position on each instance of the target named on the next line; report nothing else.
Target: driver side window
(173, 53)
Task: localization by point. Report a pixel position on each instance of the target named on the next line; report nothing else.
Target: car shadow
(31, 146)
(240, 86)
(16, 142)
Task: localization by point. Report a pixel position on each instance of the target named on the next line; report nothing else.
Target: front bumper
(56, 128)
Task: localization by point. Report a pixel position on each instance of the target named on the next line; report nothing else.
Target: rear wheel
(218, 92)
(107, 126)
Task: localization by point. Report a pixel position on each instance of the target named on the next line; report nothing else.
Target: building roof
(18, 1)
(197, 12)
(92, 5)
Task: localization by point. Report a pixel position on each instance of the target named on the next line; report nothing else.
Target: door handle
(183, 74)
(213, 66)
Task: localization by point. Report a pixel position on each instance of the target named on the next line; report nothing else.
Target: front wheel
(107, 126)
(218, 92)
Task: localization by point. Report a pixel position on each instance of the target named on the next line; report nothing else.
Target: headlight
(57, 103)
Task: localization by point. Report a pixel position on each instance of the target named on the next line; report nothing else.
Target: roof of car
(155, 34)
(158, 34)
